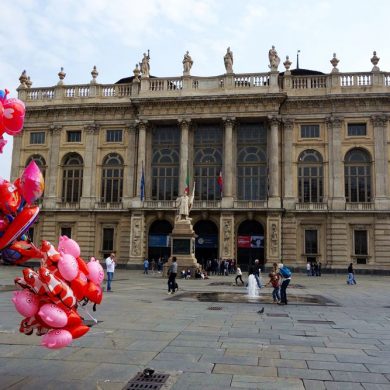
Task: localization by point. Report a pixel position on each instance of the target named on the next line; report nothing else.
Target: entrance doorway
(158, 240)
(250, 244)
(206, 243)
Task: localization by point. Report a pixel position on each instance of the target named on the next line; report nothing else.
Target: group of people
(313, 268)
(221, 266)
(279, 279)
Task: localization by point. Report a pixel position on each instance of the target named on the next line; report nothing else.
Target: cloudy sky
(41, 36)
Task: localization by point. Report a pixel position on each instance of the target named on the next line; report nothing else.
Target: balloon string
(89, 314)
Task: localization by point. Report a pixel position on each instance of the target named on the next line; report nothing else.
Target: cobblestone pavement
(341, 341)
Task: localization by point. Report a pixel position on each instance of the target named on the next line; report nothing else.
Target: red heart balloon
(13, 116)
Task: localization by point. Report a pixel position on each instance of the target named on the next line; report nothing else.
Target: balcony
(363, 206)
(250, 204)
(68, 205)
(109, 206)
(311, 206)
(206, 204)
(159, 204)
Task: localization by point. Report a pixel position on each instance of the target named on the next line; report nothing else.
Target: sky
(43, 36)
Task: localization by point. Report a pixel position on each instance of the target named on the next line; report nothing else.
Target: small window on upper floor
(357, 129)
(73, 136)
(114, 135)
(310, 131)
(37, 137)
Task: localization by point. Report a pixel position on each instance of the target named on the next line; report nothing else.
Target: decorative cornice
(55, 129)
(92, 128)
(334, 122)
(379, 120)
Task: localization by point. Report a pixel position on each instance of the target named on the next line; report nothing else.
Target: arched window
(72, 178)
(112, 178)
(207, 161)
(40, 161)
(252, 162)
(310, 177)
(165, 162)
(357, 171)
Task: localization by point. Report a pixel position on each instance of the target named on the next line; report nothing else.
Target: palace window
(310, 131)
(357, 129)
(252, 183)
(311, 241)
(310, 177)
(114, 135)
(72, 178)
(165, 162)
(108, 240)
(360, 238)
(40, 161)
(66, 231)
(207, 161)
(112, 178)
(73, 136)
(37, 137)
(357, 171)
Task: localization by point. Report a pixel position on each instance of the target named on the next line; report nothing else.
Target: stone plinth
(183, 247)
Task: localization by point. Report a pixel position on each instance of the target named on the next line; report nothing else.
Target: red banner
(244, 241)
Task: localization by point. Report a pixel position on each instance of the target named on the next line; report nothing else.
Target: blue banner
(206, 241)
(157, 240)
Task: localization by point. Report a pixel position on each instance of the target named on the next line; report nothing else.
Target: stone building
(303, 157)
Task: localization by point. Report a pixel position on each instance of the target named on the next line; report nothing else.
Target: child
(239, 275)
(275, 282)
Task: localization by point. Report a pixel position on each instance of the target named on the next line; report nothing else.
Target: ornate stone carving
(187, 64)
(227, 237)
(136, 73)
(92, 128)
(136, 237)
(274, 239)
(287, 65)
(334, 61)
(288, 123)
(334, 122)
(23, 80)
(94, 74)
(145, 66)
(374, 60)
(61, 76)
(274, 59)
(55, 130)
(228, 61)
(379, 120)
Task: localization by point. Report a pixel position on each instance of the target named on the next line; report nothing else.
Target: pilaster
(227, 200)
(273, 238)
(336, 200)
(137, 238)
(226, 239)
(141, 159)
(129, 168)
(273, 171)
(289, 199)
(50, 197)
(184, 149)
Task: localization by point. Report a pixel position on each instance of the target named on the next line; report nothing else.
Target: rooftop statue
(187, 63)
(144, 65)
(228, 60)
(274, 59)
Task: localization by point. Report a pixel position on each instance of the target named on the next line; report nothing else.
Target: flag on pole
(142, 183)
(187, 187)
(220, 182)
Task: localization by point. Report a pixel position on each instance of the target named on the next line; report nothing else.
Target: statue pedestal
(183, 247)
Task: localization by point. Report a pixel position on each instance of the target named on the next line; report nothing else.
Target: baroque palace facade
(304, 159)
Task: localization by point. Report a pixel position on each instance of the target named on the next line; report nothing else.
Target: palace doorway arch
(158, 240)
(206, 242)
(250, 244)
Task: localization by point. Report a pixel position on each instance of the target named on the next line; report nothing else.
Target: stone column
(141, 159)
(129, 166)
(226, 236)
(54, 170)
(184, 163)
(273, 168)
(227, 172)
(89, 194)
(16, 163)
(273, 238)
(289, 199)
(381, 193)
(336, 171)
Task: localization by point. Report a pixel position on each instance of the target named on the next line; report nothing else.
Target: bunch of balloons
(49, 298)
(12, 113)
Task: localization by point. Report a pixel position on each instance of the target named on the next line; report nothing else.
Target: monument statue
(274, 59)
(187, 63)
(144, 65)
(184, 204)
(228, 59)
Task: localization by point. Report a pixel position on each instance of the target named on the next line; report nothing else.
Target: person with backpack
(285, 274)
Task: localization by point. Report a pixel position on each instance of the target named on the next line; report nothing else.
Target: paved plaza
(330, 336)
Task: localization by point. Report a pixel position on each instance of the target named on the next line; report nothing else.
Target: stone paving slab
(213, 350)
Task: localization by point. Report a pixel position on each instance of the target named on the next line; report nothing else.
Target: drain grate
(319, 322)
(277, 315)
(141, 382)
(214, 308)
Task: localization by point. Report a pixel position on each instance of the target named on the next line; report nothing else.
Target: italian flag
(187, 187)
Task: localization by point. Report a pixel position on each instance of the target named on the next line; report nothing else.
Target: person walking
(110, 266)
(308, 269)
(285, 274)
(239, 275)
(146, 266)
(351, 275)
(274, 280)
(257, 273)
(172, 271)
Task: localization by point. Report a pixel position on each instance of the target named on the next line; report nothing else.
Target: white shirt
(110, 263)
(239, 271)
(308, 266)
